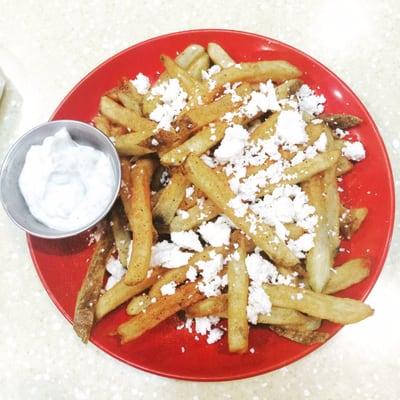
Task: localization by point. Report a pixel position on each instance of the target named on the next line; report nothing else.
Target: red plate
(61, 264)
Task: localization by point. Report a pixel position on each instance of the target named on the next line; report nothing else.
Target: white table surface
(46, 47)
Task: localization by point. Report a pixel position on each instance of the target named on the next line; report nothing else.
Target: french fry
(295, 231)
(219, 55)
(198, 144)
(102, 124)
(288, 88)
(159, 311)
(238, 237)
(188, 83)
(254, 72)
(336, 309)
(343, 166)
(138, 304)
(194, 216)
(217, 190)
(351, 220)
(348, 274)
(319, 258)
(189, 55)
(304, 170)
(341, 121)
(92, 283)
(140, 219)
(200, 116)
(216, 306)
(302, 337)
(129, 96)
(126, 146)
(117, 130)
(128, 118)
(170, 198)
(238, 289)
(120, 293)
(122, 236)
(200, 64)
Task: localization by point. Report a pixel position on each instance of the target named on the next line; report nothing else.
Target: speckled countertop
(46, 47)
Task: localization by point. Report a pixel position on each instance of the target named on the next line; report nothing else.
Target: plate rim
(380, 261)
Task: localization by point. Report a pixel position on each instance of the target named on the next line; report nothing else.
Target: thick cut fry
(216, 306)
(219, 55)
(126, 146)
(286, 89)
(198, 144)
(217, 190)
(129, 96)
(120, 293)
(200, 64)
(140, 219)
(351, 220)
(336, 309)
(128, 118)
(319, 259)
(102, 124)
(201, 116)
(189, 55)
(343, 166)
(188, 83)
(341, 121)
(138, 304)
(159, 311)
(348, 274)
(90, 289)
(122, 236)
(238, 289)
(194, 216)
(170, 198)
(260, 71)
(302, 337)
(304, 171)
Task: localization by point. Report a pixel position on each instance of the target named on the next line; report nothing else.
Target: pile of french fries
(148, 211)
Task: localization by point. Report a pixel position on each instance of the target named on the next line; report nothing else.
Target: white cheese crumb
(116, 271)
(353, 151)
(216, 233)
(232, 144)
(173, 100)
(168, 255)
(187, 240)
(290, 129)
(340, 133)
(183, 214)
(154, 142)
(141, 83)
(214, 335)
(211, 283)
(189, 191)
(191, 274)
(252, 350)
(309, 101)
(168, 289)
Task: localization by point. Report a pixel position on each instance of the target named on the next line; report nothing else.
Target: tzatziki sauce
(66, 185)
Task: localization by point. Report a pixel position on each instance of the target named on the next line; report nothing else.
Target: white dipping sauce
(66, 185)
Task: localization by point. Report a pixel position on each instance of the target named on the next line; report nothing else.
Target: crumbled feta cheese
(187, 240)
(238, 206)
(290, 129)
(211, 283)
(173, 100)
(189, 191)
(116, 271)
(303, 244)
(206, 75)
(216, 233)
(340, 133)
(321, 143)
(164, 178)
(191, 274)
(154, 142)
(214, 335)
(208, 160)
(141, 83)
(353, 151)
(168, 289)
(232, 144)
(168, 255)
(309, 101)
(183, 214)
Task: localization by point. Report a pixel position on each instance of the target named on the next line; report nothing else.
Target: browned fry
(217, 190)
(216, 306)
(102, 124)
(343, 166)
(336, 309)
(348, 274)
(238, 288)
(129, 96)
(140, 219)
(239, 237)
(302, 337)
(170, 198)
(341, 121)
(126, 146)
(122, 236)
(159, 311)
(121, 292)
(92, 283)
(351, 220)
(288, 88)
